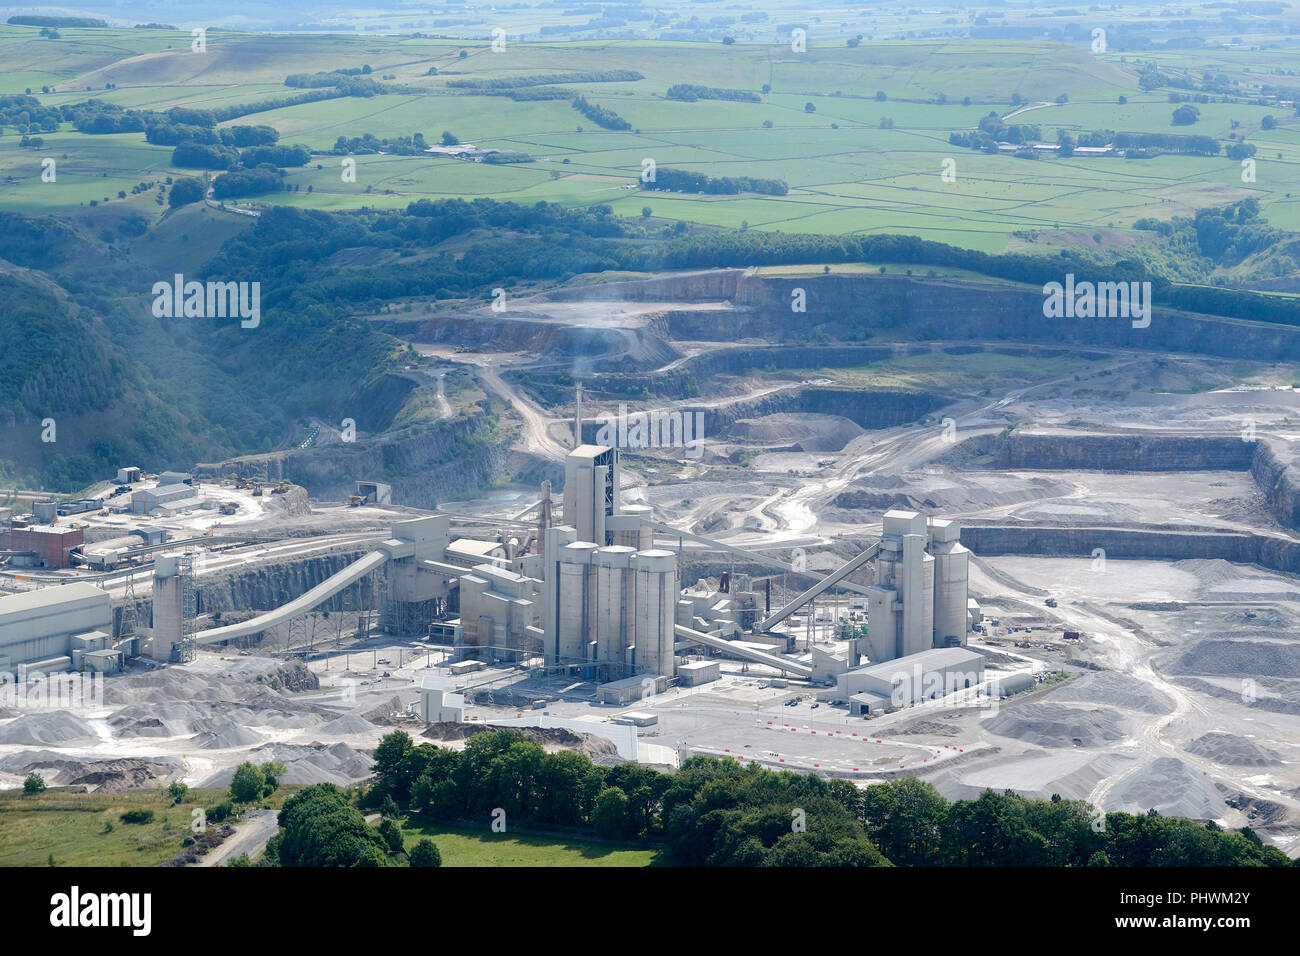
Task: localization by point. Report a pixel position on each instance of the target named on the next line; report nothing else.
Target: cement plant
(983, 588)
(591, 433)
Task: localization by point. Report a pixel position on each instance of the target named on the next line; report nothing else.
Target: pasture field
(464, 846)
(860, 135)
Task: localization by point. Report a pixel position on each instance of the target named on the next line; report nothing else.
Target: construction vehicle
(1050, 602)
(228, 508)
(356, 501)
(257, 491)
(281, 488)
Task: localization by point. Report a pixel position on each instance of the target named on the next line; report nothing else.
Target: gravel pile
(1052, 725)
(1232, 750)
(55, 728)
(309, 763)
(1171, 788)
(1114, 689)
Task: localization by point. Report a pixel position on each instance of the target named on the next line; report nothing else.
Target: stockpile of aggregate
(1171, 788)
(1053, 725)
(306, 763)
(54, 728)
(108, 775)
(1232, 750)
(348, 724)
(225, 735)
(1114, 689)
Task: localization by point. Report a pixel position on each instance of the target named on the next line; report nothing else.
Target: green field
(462, 846)
(85, 829)
(865, 176)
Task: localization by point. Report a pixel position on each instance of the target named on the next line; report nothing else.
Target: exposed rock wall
(1279, 479)
(1276, 554)
(1021, 449)
(953, 309)
(265, 587)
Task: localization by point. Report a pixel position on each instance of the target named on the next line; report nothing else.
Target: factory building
(919, 599)
(51, 546)
(876, 688)
(437, 704)
(698, 672)
(111, 552)
(499, 617)
(148, 500)
(37, 628)
(415, 596)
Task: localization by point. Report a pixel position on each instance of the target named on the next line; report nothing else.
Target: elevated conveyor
(754, 556)
(829, 581)
(739, 650)
(299, 605)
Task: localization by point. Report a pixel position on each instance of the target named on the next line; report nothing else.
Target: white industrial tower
(918, 601)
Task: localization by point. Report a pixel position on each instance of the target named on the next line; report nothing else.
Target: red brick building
(53, 545)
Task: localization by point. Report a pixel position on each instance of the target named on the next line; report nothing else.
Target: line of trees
(690, 92)
(720, 812)
(547, 79)
(346, 84)
(681, 180)
(600, 115)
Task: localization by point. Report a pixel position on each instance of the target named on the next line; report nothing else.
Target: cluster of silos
(610, 595)
(918, 600)
(610, 608)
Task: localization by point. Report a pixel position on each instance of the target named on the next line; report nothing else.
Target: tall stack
(590, 490)
(168, 606)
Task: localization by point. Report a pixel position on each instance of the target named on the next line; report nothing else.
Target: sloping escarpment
(423, 464)
(1279, 478)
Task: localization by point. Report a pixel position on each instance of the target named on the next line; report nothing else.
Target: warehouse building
(37, 629)
(909, 680)
(148, 500)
